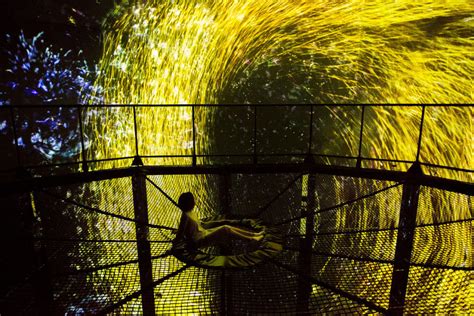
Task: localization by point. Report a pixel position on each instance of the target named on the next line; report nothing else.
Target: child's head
(186, 202)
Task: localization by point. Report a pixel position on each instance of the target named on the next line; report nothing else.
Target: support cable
(83, 146)
(97, 210)
(420, 135)
(382, 261)
(340, 204)
(15, 138)
(98, 240)
(361, 135)
(128, 298)
(266, 206)
(135, 129)
(310, 143)
(107, 266)
(161, 190)
(330, 287)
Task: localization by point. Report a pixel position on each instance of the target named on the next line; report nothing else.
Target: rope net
(82, 254)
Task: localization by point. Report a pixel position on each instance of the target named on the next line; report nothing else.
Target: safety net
(84, 255)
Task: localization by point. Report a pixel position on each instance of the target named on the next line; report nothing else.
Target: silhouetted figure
(208, 233)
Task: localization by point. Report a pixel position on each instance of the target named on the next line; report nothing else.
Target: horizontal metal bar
(43, 106)
(249, 156)
(71, 163)
(446, 223)
(22, 185)
(446, 167)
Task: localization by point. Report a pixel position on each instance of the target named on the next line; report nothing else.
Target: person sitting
(205, 234)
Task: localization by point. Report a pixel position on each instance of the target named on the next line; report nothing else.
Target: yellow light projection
(190, 51)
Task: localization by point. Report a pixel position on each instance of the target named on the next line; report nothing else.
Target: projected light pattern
(39, 74)
(377, 51)
(347, 51)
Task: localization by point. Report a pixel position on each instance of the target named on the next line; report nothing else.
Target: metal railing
(254, 156)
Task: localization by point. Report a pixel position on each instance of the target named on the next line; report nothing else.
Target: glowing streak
(378, 51)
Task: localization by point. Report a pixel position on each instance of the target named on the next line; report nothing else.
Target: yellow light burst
(178, 52)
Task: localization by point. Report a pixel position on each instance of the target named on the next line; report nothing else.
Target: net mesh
(83, 250)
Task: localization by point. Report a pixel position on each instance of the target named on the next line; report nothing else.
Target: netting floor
(85, 256)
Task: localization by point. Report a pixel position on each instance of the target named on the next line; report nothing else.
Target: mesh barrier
(444, 233)
(91, 292)
(324, 301)
(253, 293)
(194, 291)
(85, 248)
(50, 140)
(442, 291)
(368, 280)
(277, 198)
(357, 218)
(134, 307)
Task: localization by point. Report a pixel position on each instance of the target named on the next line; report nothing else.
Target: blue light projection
(36, 73)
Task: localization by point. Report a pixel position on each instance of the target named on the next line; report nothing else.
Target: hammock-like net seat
(249, 254)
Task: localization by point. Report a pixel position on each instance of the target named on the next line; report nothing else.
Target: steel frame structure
(410, 180)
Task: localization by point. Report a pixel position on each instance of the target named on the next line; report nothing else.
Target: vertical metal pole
(404, 246)
(137, 161)
(194, 137)
(227, 288)
(143, 245)
(15, 137)
(420, 135)
(83, 147)
(310, 145)
(359, 155)
(38, 257)
(255, 134)
(135, 129)
(306, 247)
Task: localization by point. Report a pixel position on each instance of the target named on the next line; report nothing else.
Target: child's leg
(225, 232)
(245, 232)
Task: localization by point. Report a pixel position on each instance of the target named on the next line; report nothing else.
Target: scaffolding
(356, 239)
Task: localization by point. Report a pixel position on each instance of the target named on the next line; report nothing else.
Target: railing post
(255, 161)
(85, 168)
(404, 246)
(38, 259)
(143, 245)
(194, 136)
(226, 286)
(306, 246)
(137, 160)
(310, 142)
(361, 135)
(21, 172)
(420, 134)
